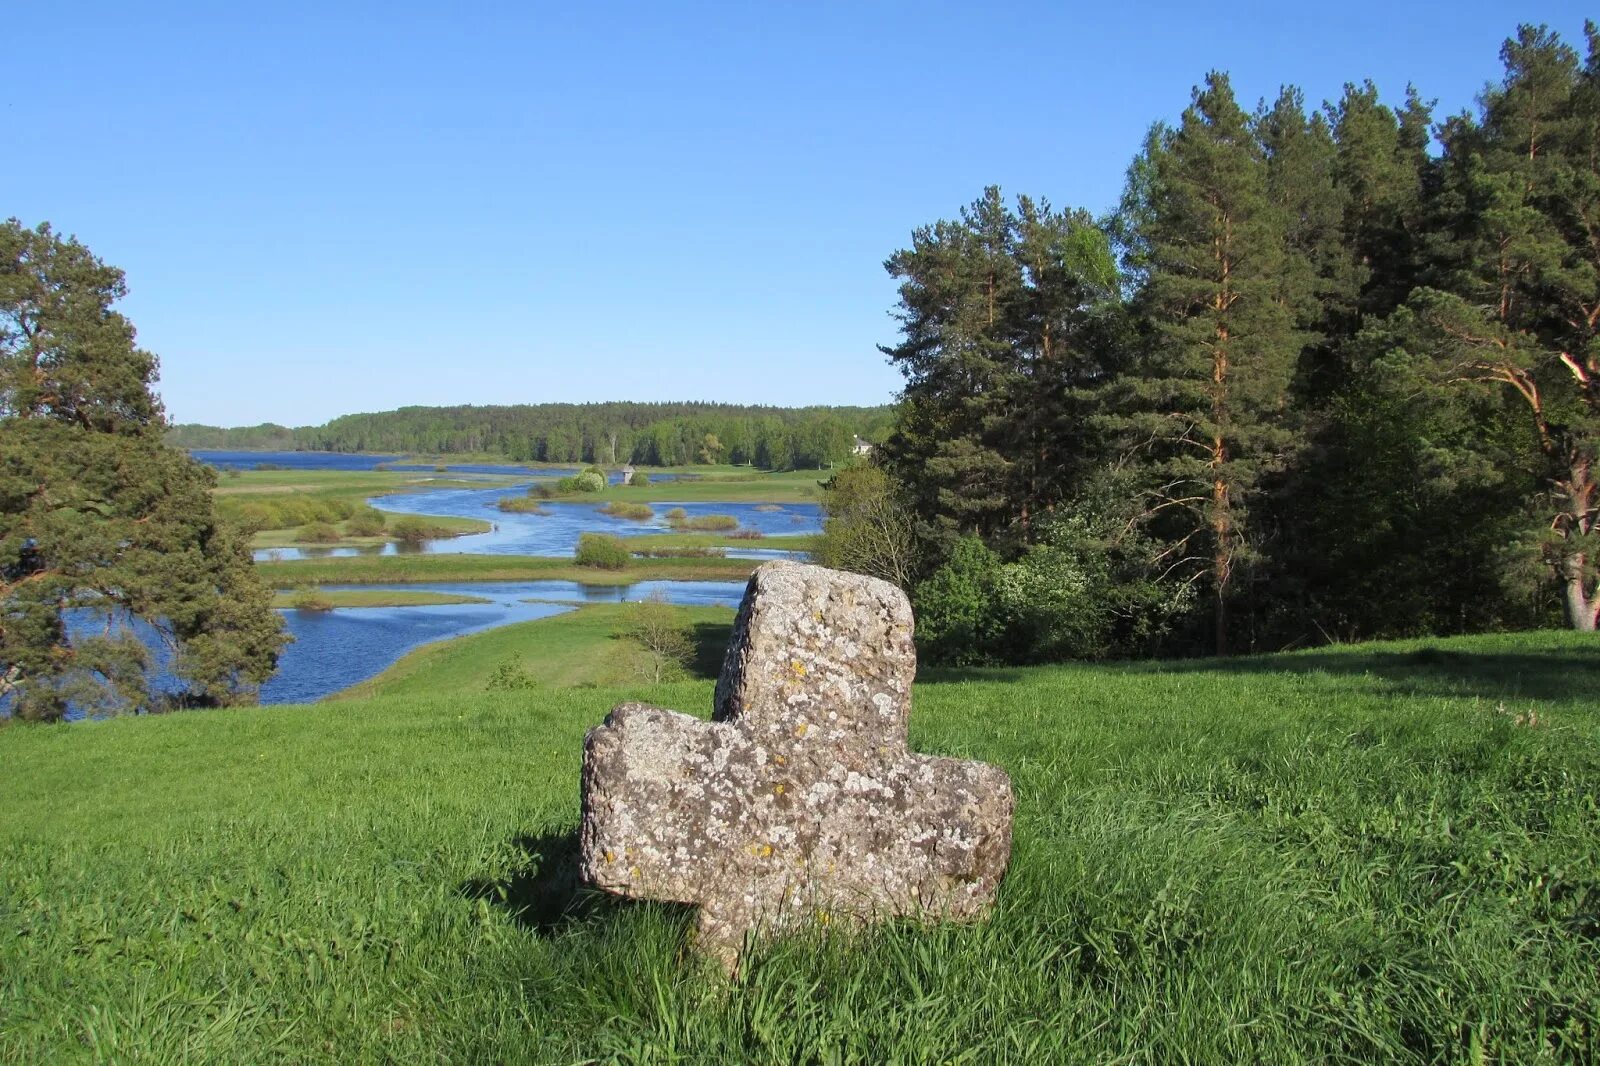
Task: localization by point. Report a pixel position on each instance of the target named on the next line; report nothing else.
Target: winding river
(336, 649)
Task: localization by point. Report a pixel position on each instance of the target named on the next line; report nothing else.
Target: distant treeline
(657, 434)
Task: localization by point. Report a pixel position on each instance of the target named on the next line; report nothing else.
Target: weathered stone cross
(799, 801)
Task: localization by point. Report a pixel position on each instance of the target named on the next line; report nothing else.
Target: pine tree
(1225, 293)
(108, 539)
(1520, 310)
(1000, 316)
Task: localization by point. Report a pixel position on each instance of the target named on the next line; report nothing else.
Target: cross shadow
(710, 640)
(543, 892)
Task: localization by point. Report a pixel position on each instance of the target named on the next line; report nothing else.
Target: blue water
(336, 649)
(556, 533)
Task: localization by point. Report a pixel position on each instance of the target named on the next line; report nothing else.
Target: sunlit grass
(1357, 855)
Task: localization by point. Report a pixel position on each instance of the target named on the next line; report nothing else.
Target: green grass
(720, 485)
(577, 649)
(1345, 856)
(377, 598)
(443, 525)
(280, 502)
(801, 542)
(349, 482)
(419, 568)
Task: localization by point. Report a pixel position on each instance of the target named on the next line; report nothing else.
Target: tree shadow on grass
(710, 643)
(543, 891)
(1554, 674)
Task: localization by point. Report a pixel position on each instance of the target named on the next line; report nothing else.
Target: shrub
(960, 619)
(640, 478)
(746, 534)
(252, 518)
(440, 468)
(589, 481)
(522, 505)
(310, 598)
(600, 550)
(676, 516)
(711, 523)
(663, 632)
(510, 676)
(366, 522)
(412, 530)
(319, 533)
(540, 490)
(623, 509)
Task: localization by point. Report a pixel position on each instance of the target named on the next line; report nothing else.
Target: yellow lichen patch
(611, 857)
(761, 851)
(634, 872)
(777, 790)
(797, 667)
(779, 760)
(800, 730)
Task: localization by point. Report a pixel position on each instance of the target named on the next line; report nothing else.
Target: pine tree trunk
(1221, 560)
(1583, 602)
(1582, 607)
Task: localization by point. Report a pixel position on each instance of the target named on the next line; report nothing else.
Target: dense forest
(658, 434)
(1328, 373)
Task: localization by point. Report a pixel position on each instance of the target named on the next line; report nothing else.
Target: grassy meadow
(280, 503)
(579, 649)
(1374, 853)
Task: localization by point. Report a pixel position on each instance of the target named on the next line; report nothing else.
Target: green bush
(960, 620)
(600, 550)
(676, 516)
(710, 523)
(319, 533)
(590, 481)
(412, 531)
(624, 509)
(510, 676)
(522, 505)
(310, 598)
(640, 478)
(366, 522)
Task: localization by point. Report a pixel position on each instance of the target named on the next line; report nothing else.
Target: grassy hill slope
(1350, 855)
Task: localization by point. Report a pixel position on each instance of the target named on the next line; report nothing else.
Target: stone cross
(799, 801)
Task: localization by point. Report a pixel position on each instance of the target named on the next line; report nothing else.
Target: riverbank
(582, 648)
(416, 569)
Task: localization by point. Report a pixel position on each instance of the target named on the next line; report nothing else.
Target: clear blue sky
(424, 204)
